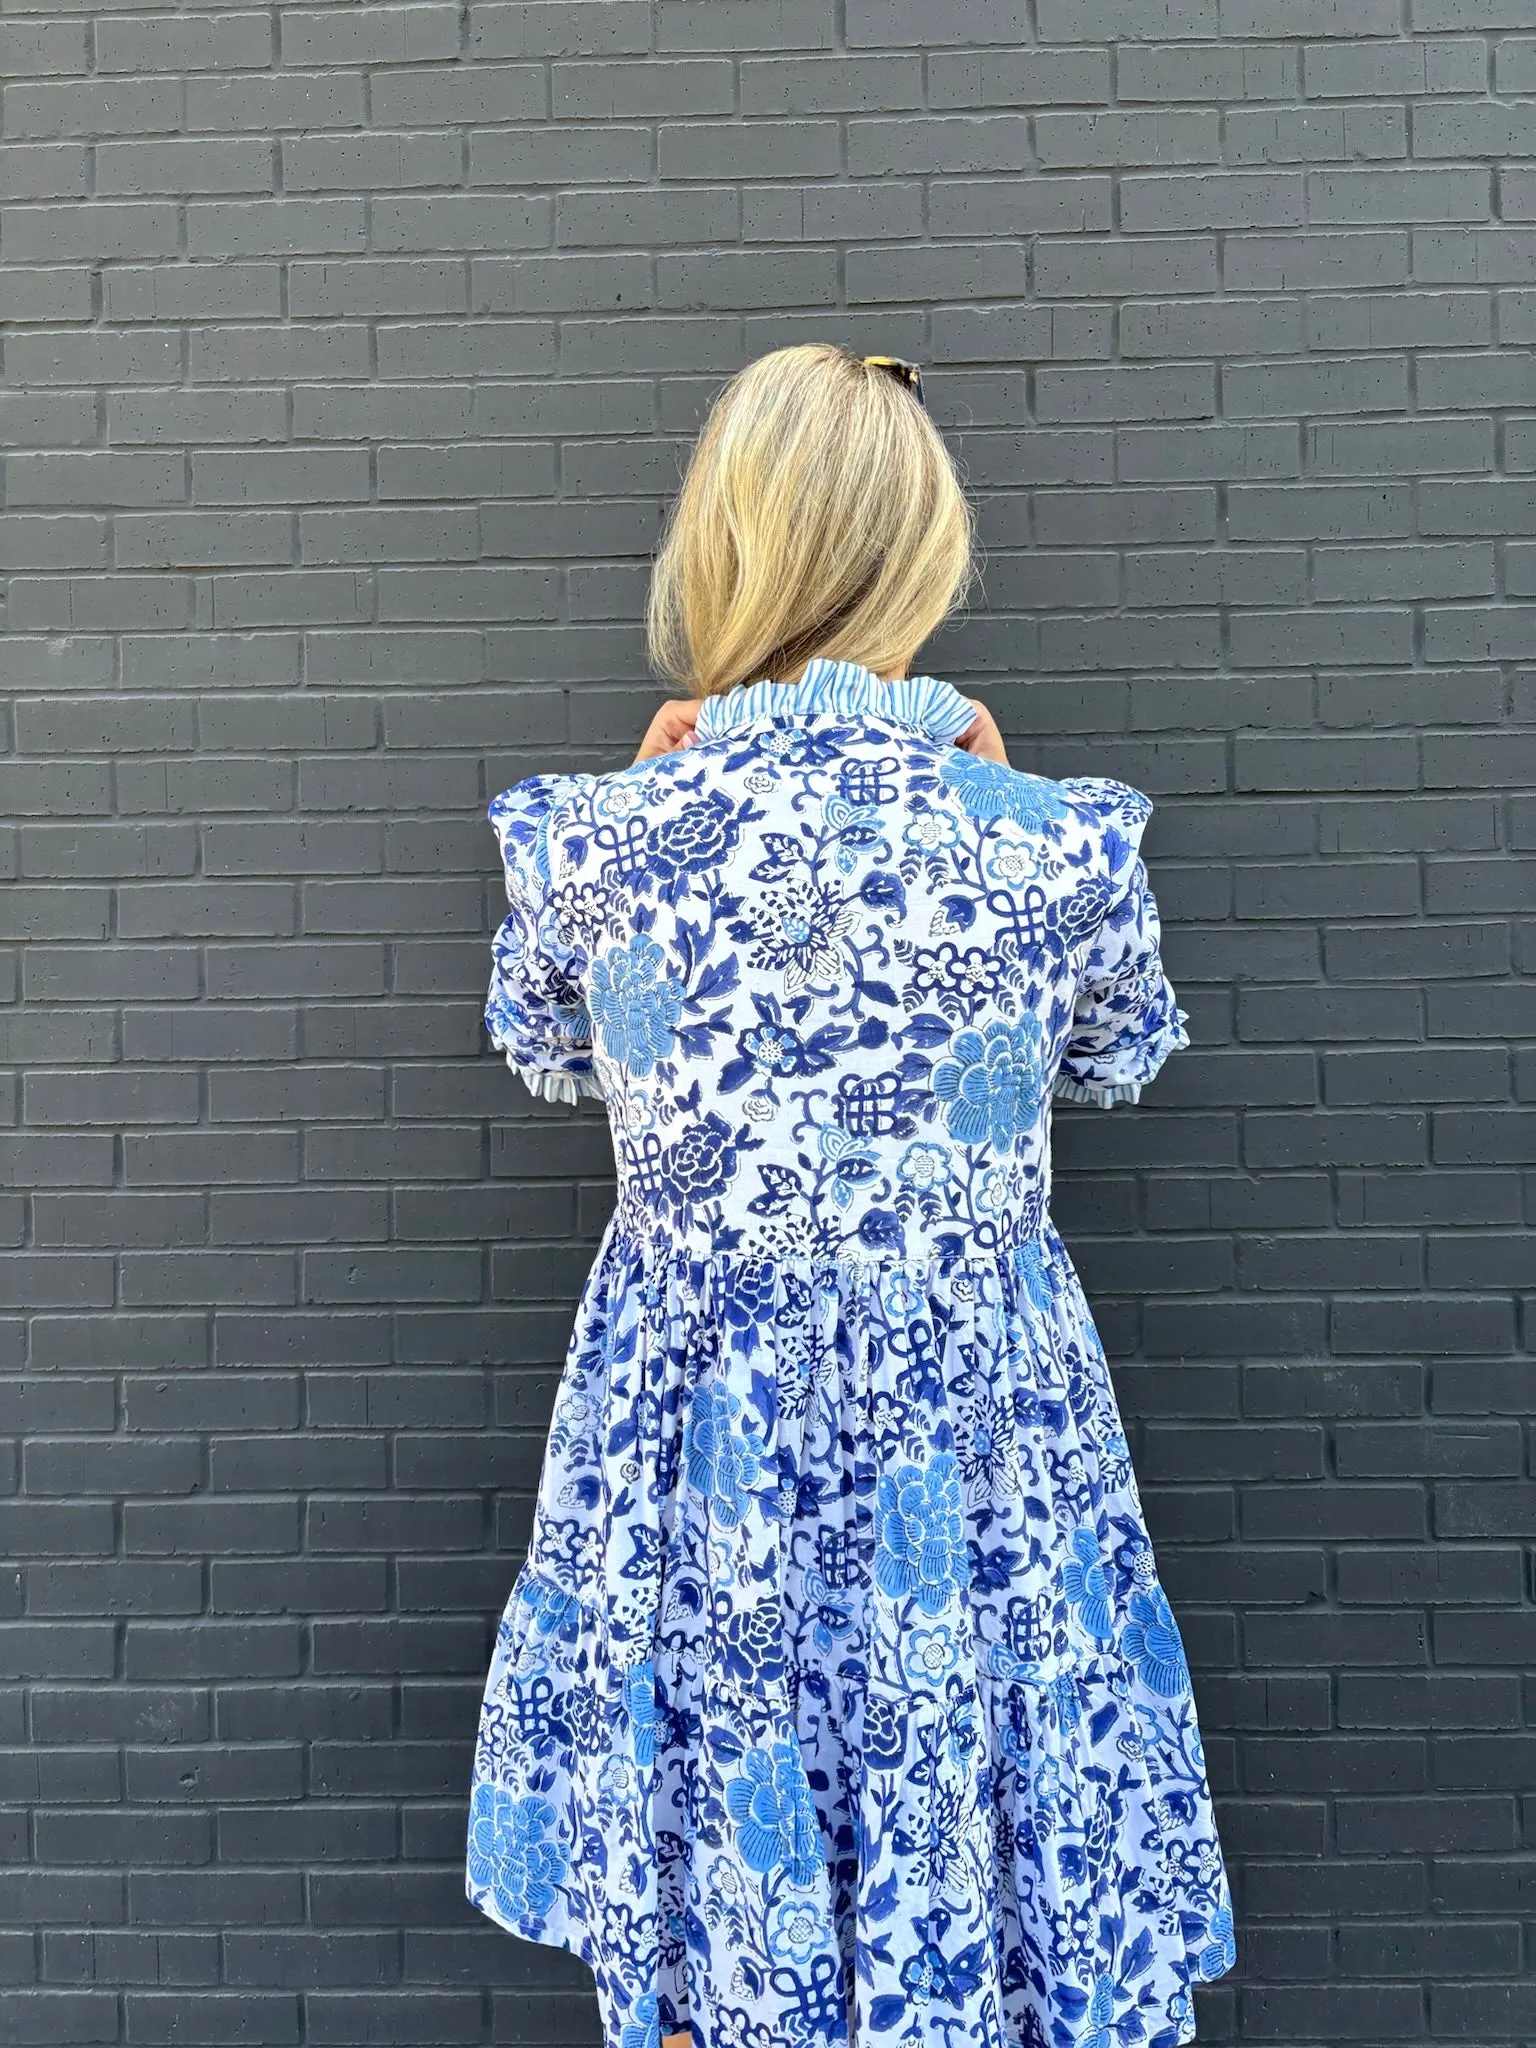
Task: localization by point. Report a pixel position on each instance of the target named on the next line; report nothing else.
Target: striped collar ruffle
(843, 687)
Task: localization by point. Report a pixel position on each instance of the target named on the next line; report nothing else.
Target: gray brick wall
(352, 353)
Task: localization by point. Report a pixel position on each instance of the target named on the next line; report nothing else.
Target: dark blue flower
(701, 1162)
(695, 838)
(751, 1640)
(885, 1730)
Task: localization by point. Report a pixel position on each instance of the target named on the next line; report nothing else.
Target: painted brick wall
(353, 352)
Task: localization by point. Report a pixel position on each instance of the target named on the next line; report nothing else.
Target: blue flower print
(568, 1024)
(643, 2027)
(640, 1700)
(851, 1159)
(695, 838)
(798, 929)
(931, 831)
(929, 1655)
(920, 1533)
(770, 1803)
(866, 1664)
(1037, 1280)
(701, 1163)
(1066, 1697)
(635, 1004)
(922, 1974)
(1101, 2010)
(774, 1050)
(1152, 1643)
(514, 1851)
(1086, 1582)
(988, 791)
(833, 1610)
(750, 1644)
(992, 1081)
(958, 978)
(617, 1780)
(1220, 1952)
(797, 1930)
(551, 1611)
(722, 1461)
(885, 1730)
(925, 1165)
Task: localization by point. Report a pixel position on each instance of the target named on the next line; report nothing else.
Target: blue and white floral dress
(838, 1699)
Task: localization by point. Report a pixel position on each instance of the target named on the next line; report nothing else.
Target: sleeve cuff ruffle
(557, 1084)
(1151, 1055)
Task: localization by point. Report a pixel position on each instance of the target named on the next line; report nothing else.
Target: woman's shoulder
(533, 798)
(990, 789)
(1107, 799)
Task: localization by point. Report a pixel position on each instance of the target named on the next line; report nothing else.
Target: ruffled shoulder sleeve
(536, 1010)
(1126, 1019)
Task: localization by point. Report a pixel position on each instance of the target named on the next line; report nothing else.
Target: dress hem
(548, 1938)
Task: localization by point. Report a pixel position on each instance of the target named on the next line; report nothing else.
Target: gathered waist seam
(1040, 1242)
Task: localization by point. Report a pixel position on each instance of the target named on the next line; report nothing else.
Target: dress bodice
(828, 971)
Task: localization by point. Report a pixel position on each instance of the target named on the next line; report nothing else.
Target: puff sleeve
(1126, 1019)
(536, 1009)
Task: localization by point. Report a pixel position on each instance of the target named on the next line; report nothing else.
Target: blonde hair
(821, 514)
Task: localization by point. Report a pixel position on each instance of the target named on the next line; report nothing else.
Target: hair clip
(909, 374)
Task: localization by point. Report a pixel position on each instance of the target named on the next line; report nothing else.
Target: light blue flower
(924, 1164)
(929, 1655)
(770, 1803)
(993, 1082)
(797, 1930)
(551, 1610)
(988, 790)
(1220, 1952)
(645, 1717)
(722, 1461)
(1085, 1579)
(1151, 1642)
(514, 1852)
(643, 2027)
(1101, 2010)
(920, 1533)
(1037, 1281)
(635, 1005)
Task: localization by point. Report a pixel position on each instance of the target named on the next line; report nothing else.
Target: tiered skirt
(838, 1700)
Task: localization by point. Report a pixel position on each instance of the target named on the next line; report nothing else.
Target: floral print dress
(838, 1700)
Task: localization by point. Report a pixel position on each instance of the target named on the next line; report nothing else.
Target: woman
(838, 1700)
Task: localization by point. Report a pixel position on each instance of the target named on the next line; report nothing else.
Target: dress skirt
(838, 1699)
